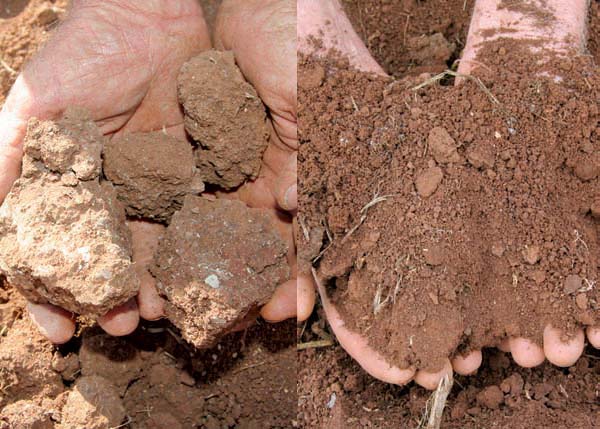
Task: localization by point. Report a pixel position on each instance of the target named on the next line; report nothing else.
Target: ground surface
(333, 391)
(247, 380)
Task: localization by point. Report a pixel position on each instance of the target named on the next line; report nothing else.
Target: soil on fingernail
(501, 173)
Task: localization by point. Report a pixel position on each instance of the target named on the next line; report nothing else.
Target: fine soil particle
(151, 172)
(63, 237)
(218, 262)
(225, 116)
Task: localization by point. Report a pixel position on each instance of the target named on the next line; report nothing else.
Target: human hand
(120, 61)
(262, 36)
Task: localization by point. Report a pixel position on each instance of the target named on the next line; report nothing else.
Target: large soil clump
(225, 115)
(218, 262)
(63, 238)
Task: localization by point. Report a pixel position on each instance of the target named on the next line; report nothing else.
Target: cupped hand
(119, 60)
(262, 36)
(326, 21)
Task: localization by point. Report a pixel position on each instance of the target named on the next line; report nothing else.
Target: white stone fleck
(213, 281)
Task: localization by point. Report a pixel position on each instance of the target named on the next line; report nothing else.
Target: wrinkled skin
(339, 34)
(120, 60)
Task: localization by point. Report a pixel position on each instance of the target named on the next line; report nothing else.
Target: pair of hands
(327, 21)
(120, 60)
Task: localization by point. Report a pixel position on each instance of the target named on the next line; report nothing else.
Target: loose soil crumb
(224, 114)
(63, 238)
(530, 196)
(218, 262)
(151, 172)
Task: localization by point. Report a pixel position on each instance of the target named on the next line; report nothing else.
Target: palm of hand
(121, 66)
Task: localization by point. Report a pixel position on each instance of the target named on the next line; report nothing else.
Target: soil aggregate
(225, 116)
(217, 264)
(63, 238)
(151, 172)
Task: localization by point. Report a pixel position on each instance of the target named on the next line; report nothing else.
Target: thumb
(286, 188)
(13, 125)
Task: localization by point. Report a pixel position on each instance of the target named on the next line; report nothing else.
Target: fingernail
(291, 196)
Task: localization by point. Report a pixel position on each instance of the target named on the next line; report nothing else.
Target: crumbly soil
(217, 264)
(150, 379)
(63, 238)
(454, 222)
(225, 116)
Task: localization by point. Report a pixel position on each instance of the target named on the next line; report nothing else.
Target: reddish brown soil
(151, 172)
(475, 238)
(546, 397)
(217, 263)
(400, 33)
(151, 377)
(225, 116)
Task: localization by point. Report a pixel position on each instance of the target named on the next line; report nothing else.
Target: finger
(282, 305)
(566, 23)
(121, 320)
(305, 296)
(593, 334)
(286, 189)
(144, 238)
(358, 347)
(467, 364)
(151, 306)
(53, 322)
(526, 353)
(431, 380)
(563, 353)
(12, 132)
(327, 21)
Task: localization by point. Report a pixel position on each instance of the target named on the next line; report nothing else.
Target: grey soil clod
(151, 172)
(63, 237)
(218, 262)
(225, 115)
